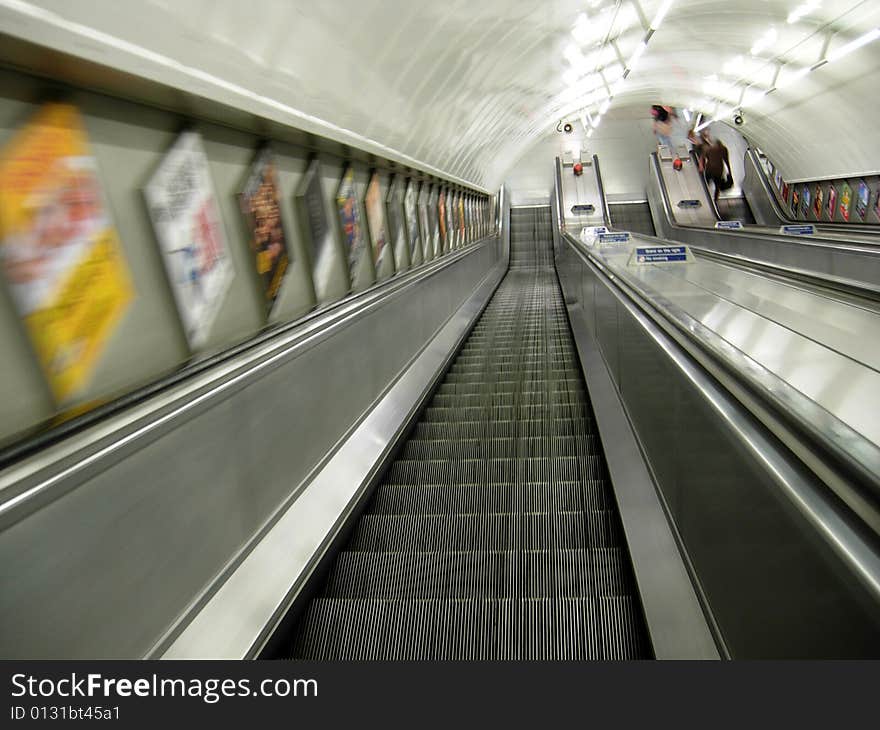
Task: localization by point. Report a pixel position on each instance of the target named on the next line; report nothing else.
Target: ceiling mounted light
(801, 10)
(637, 54)
(765, 41)
(845, 50)
(661, 13)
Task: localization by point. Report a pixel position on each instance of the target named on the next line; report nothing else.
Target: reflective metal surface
(784, 568)
(142, 515)
(851, 264)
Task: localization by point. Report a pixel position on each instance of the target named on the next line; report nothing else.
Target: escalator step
(491, 498)
(494, 533)
(485, 574)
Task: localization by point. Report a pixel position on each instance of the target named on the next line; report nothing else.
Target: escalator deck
(494, 534)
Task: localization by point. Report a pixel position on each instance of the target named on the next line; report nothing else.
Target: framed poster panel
(351, 223)
(441, 220)
(795, 200)
(462, 233)
(397, 223)
(424, 222)
(456, 231)
(376, 225)
(785, 193)
(186, 218)
(260, 206)
(806, 201)
(60, 253)
(317, 230)
(877, 202)
(411, 214)
(450, 226)
(777, 179)
(863, 195)
(845, 201)
(832, 202)
(433, 222)
(818, 201)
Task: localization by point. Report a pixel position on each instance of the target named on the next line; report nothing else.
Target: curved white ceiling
(460, 86)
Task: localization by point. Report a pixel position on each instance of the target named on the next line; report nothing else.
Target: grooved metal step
(494, 534)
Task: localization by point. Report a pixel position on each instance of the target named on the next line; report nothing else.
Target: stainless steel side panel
(852, 264)
(106, 543)
(775, 557)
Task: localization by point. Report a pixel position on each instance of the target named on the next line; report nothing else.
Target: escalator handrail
(606, 215)
(705, 185)
(284, 334)
(815, 240)
(751, 157)
(848, 531)
(853, 454)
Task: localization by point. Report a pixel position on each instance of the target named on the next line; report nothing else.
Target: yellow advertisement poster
(59, 251)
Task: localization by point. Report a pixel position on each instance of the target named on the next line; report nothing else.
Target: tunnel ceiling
(463, 87)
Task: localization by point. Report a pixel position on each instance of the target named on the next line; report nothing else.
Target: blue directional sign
(660, 254)
(728, 225)
(689, 203)
(584, 208)
(806, 229)
(622, 237)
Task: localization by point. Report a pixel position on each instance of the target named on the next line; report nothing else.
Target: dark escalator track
(494, 534)
(634, 217)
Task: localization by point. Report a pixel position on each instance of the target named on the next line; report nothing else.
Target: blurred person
(662, 126)
(714, 159)
(700, 142)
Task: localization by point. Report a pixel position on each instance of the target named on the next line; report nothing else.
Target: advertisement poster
(795, 200)
(66, 273)
(433, 219)
(453, 219)
(845, 200)
(316, 229)
(376, 219)
(807, 200)
(450, 226)
(832, 202)
(877, 202)
(785, 192)
(441, 219)
(396, 223)
(777, 178)
(862, 196)
(817, 202)
(412, 218)
(461, 224)
(424, 225)
(350, 220)
(184, 212)
(259, 205)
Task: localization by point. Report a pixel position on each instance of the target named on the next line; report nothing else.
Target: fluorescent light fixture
(637, 54)
(589, 133)
(765, 41)
(573, 54)
(661, 13)
(788, 79)
(596, 120)
(845, 50)
(703, 125)
(687, 115)
(584, 123)
(801, 10)
(618, 87)
(604, 107)
(733, 67)
(571, 77)
(697, 121)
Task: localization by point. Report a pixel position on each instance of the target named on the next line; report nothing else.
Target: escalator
(494, 534)
(632, 216)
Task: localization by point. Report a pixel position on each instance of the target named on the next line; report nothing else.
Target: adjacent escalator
(494, 534)
(632, 216)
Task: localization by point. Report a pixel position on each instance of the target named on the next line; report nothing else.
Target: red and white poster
(185, 216)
